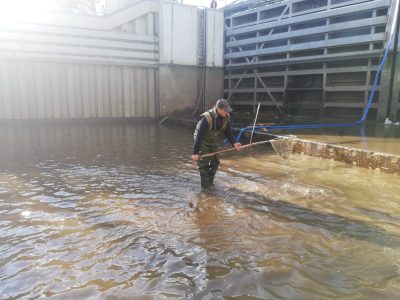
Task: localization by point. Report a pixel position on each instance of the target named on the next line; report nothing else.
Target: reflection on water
(116, 211)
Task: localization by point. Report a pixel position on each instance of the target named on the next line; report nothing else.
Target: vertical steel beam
(387, 71)
(395, 95)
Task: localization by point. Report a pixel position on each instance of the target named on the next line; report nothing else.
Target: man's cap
(223, 104)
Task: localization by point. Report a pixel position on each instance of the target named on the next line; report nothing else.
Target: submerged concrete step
(385, 162)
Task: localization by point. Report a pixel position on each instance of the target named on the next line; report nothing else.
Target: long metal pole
(231, 149)
(255, 120)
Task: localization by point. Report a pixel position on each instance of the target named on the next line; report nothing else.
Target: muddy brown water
(116, 212)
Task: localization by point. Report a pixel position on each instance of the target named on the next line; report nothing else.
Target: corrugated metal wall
(36, 90)
(80, 66)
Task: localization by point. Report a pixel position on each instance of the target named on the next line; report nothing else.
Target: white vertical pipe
(255, 120)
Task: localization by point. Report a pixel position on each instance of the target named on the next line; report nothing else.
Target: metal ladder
(201, 59)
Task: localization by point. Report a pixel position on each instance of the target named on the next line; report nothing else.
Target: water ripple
(115, 212)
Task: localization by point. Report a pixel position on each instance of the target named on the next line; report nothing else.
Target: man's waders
(209, 166)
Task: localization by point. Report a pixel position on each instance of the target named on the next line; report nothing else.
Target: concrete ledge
(385, 162)
(381, 162)
(373, 160)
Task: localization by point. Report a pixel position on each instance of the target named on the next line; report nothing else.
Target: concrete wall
(215, 38)
(178, 35)
(214, 86)
(144, 25)
(179, 57)
(178, 87)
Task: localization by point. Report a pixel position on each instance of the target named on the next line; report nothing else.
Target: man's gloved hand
(195, 157)
(238, 146)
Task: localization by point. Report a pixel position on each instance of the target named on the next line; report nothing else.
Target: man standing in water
(213, 124)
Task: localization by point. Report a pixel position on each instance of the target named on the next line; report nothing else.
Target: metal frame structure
(309, 56)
